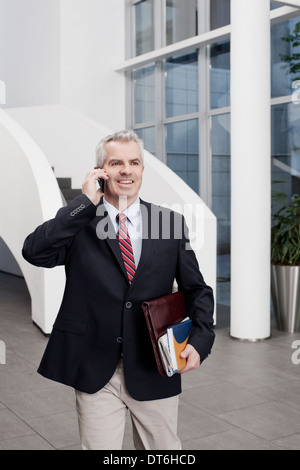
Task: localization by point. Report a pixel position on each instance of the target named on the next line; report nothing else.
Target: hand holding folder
(160, 314)
(171, 345)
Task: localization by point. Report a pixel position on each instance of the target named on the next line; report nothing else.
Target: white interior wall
(64, 52)
(92, 43)
(30, 51)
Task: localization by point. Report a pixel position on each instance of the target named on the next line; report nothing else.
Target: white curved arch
(29, 195)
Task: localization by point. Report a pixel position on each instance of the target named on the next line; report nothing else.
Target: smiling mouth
(125, 181)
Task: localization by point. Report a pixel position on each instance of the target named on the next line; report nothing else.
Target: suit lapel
(146, 239)
(105, 231)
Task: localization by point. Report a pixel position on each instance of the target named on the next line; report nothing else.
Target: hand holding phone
(90, 188)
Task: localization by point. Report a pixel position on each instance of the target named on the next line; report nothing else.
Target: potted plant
(285, 258)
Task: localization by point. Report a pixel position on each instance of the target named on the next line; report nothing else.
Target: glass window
(144, 94)
(221, 199)
(286, 148)
(285, 56)
(181, 85)
(182, 151)
(220, 141)
(273, 6)
(219, 13)
(147, 134)
(182, 20)
(220, 75)
(144, 27)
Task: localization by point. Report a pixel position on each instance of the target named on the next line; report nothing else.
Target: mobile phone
(101, 184)
(101, 181)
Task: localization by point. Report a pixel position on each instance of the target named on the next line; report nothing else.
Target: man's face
(124, 169)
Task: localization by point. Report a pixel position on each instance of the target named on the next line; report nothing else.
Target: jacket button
(128, 304)
(119, 339)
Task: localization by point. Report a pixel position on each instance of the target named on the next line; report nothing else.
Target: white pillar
(250, 169)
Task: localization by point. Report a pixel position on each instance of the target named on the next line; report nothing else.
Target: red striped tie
(126, 247)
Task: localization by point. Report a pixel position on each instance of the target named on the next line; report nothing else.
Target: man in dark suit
(119, 251)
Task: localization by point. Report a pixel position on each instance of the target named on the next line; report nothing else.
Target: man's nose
(125, 169)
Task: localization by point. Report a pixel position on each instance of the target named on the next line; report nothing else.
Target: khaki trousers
(102, 418)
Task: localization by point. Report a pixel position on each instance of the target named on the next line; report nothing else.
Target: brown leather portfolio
(160, 314)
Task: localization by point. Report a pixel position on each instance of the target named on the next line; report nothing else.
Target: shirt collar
(132, 212)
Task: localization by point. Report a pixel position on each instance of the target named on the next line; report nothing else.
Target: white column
(250, 169)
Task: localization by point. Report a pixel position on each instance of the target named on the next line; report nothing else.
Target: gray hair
(120, 136)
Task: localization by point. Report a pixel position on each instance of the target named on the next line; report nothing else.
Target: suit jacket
(100, 316)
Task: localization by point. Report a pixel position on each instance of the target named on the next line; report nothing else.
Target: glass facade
(144, 96)
(181, 85)
(144, 26)
(147, 134)
(285, 58)
(182, 151)
(285, 116)
(219, 13)
(174, 96)
(220, 75)
(220, 175)
(181, 20)
(286, 148)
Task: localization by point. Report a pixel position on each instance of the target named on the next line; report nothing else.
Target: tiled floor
(244, 396)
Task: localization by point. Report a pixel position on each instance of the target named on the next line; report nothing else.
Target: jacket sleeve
(47, 246)
(199, 297)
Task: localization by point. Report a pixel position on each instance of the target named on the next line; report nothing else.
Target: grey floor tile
(289, 443)
(75, 447)
(33, 442)
(204, 375)
(272, 420)
(41, 401)
(221, 397)
(19, 377)
(193, 422)
(11, 426)
(234, 439)
(286, 393)
(60, 430)
(253, 374)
